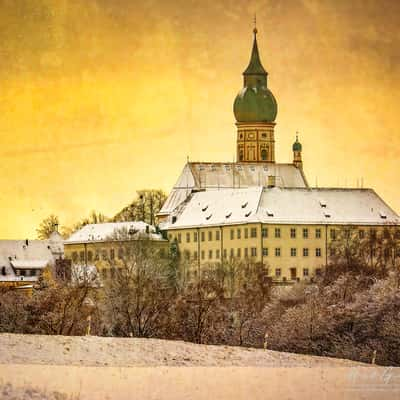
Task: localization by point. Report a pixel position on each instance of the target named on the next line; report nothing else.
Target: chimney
(271, 181)
(27, 242)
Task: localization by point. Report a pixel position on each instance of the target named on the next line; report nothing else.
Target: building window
(277, 251)
(293, 252)
(90, 255)
(203, 255)
(397, 234)
(332, 252)
(386, 234)
(238, 252)
(293, 233)
(104, 254)
(246, 252)
(254, 251)
(373, 233)
(293, 273)
(195, 255)
(179, 238)
(209, 236)
(170, 237)
(277, 232)
(232, 253)
(333, 234)
(232, 234)
(209, 254)
(264, 232)
(97, 255)
(246, 233)
(239, 233)
(82, 256)
(253, 232)
(318, 233)
(305, 272)
(203, 236)
(186, 254)
(225, 253)
(318, 252)
(305, 252)
(194, 236)
(305, 233)
(278, 272)
(74, 256)
(265, 251)
(217, 254)
(112, 254)
(187, 237)
(217, 235)
(318, 272)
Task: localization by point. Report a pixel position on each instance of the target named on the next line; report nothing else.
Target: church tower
(297, 148)
(255, 110)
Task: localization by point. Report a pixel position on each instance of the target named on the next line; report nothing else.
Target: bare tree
(47, 227)
(144, 207)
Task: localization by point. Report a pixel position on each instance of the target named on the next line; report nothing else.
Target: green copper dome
(297, 145)
(255, 102)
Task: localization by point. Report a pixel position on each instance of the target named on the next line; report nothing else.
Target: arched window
(264, 154)
(90, 255)
(241, 155)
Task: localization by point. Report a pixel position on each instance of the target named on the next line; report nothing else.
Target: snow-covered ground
(133, 352)
(94, 368)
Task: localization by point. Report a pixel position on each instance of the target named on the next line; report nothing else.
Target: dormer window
(208, 217)
(204, 208)
(270, 213)
(247, 214)
(244, 205)
(228, 215)
(322, 203)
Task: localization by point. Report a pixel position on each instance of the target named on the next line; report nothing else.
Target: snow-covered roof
(113, 231)
(206, 175)
(27, 254)
(282, 206)
(29, 264)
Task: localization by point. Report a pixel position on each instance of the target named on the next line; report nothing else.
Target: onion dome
(297, 145)
(255, 102)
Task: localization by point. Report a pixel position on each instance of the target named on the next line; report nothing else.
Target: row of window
(305, 233)
(245, 233)
(104, 254)
(362, 233)
(249, 252)
(27, 272)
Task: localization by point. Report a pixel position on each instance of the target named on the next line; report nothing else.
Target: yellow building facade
(109, 244)
(290, 252)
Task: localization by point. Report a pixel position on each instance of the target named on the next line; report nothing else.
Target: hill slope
(134, 352)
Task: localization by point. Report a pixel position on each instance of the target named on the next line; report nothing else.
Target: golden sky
(99, 98)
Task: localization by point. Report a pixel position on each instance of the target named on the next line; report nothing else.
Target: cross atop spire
(255, 24)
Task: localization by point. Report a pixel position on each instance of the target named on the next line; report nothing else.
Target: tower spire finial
(255, 24)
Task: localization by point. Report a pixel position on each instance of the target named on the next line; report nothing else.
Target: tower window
(263, 154)
(241, 155)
